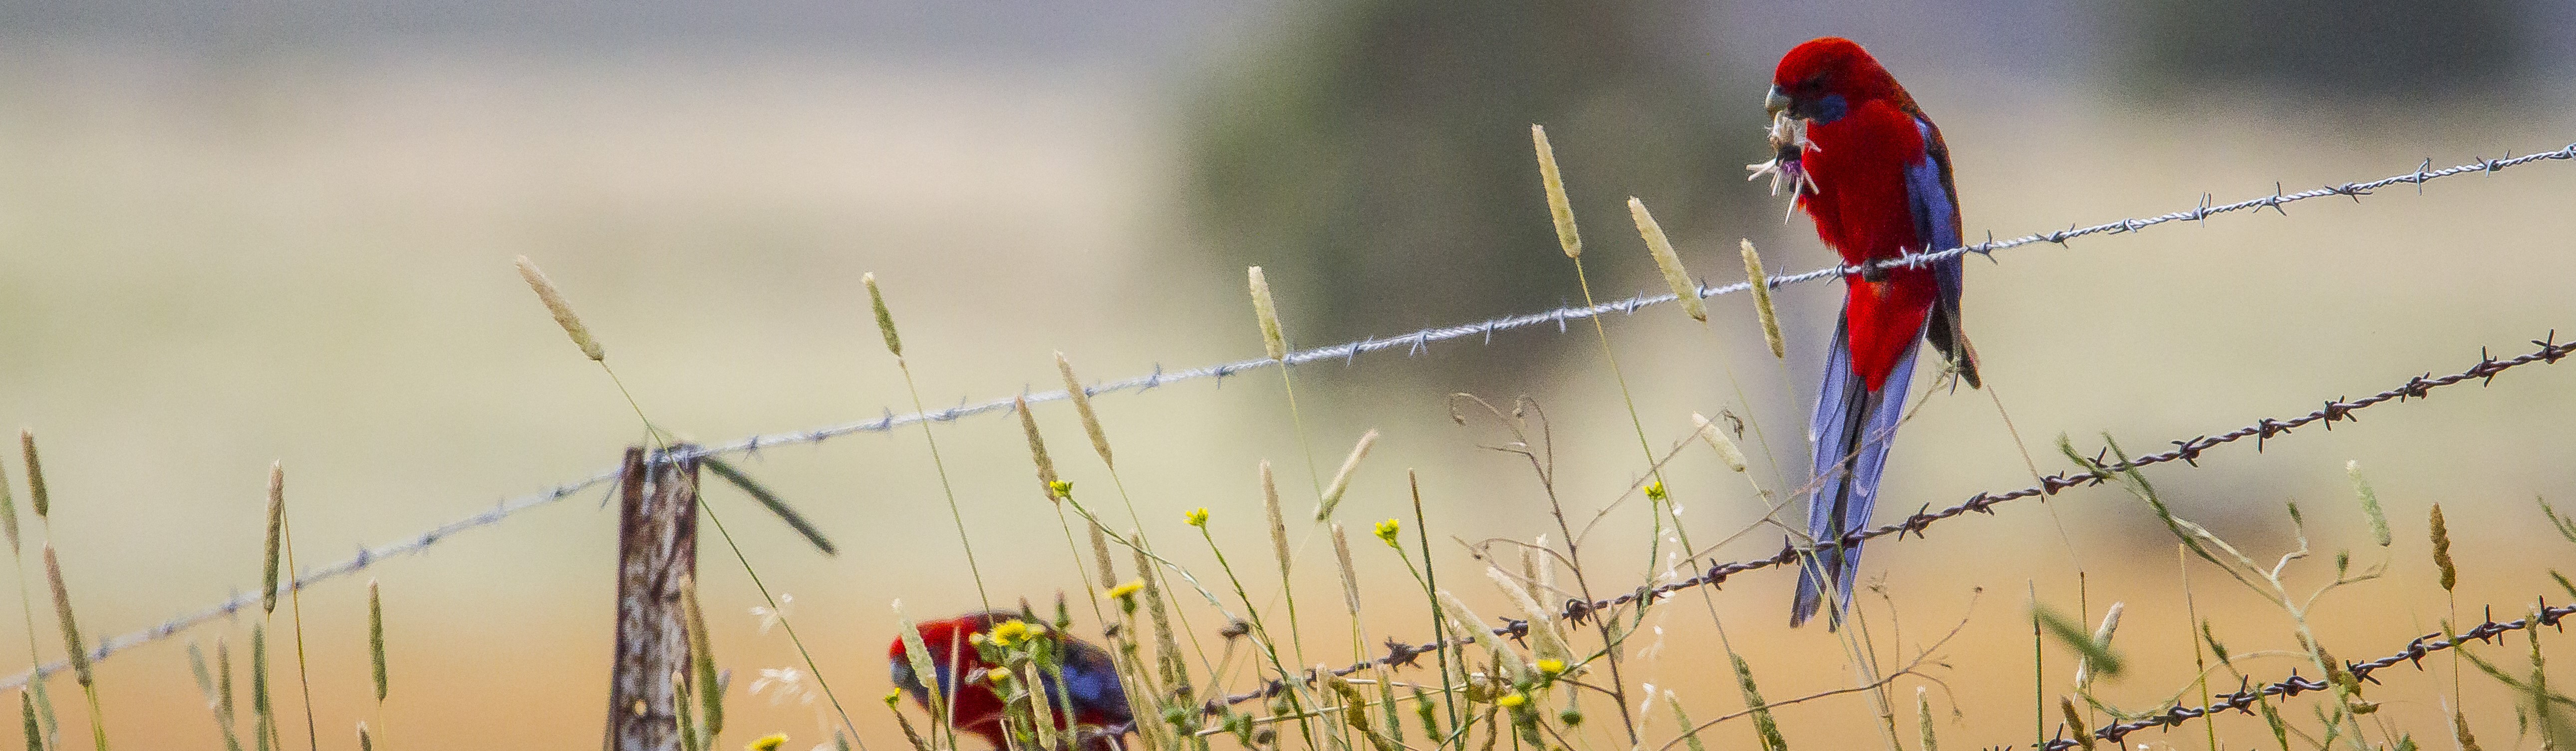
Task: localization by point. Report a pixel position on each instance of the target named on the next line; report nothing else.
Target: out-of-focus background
(232, 233)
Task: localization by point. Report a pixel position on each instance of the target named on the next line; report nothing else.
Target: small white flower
(772, 616)
(790, 683)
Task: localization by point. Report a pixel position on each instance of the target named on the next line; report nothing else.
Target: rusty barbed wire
(1415, 343)
(2245, 696)
(2550, 351)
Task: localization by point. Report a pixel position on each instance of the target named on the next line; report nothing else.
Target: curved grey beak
(1775, 102)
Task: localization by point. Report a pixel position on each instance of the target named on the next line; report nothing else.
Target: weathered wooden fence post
(657, 544)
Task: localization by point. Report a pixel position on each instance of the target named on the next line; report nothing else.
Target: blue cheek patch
(1830, 108)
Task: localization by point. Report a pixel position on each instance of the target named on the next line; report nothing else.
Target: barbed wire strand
(1415, 343)
(2245, 696)
(2550, 351)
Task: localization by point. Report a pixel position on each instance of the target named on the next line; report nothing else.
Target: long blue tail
(1852, 429)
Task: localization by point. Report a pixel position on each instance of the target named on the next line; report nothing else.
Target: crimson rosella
(1090, 683)
(1874, 174)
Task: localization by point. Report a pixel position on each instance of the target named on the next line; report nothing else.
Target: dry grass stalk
(1342, 477)
(1666, 261)
(562, 311)
(1082, 405)
(1558, 208)
(1761, 284)
(1272, 341)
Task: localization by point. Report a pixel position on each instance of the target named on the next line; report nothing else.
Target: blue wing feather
(1851, 424)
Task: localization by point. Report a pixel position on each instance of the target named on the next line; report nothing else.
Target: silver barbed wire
(1415, 342)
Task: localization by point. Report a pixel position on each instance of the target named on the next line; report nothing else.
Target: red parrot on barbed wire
(1872, 171)
(961, 646)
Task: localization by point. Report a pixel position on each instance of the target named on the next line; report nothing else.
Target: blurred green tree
(1375, 155)
(2333, 49)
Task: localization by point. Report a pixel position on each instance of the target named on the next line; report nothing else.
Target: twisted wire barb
(1415, 343)
(2246, 696)
(2550, 351)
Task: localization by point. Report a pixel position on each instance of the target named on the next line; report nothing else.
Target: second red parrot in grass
(1089, 684)
(1874, 174)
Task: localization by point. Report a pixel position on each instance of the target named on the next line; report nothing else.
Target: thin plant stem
(1430, 592)
(1654, 544)
(1298, 691)
(944, 487)
(295, 605)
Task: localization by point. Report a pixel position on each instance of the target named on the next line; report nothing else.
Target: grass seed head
(885, 318)
(1342, 477)
(1272, 341)
(1559, 209)
(1923, 717)
(276, 534)
(1037, 450)
(1661, 248)
(1278, 522)
(35, 476)
(2075, 723)
(1100, 553)
(2442, 550)
(1082, 404)
(27, 714)
(8, 512)
(1350, 574)
(72, 645)
(1716, 438)
(562, 311)
(1761, 284)
(2369, 503)
(376, 635)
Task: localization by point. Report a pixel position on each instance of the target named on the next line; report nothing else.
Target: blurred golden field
(213, 265)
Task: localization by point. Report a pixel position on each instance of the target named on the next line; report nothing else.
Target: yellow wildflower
(1010, 632)
(1061, 488)
(1655, 490)
(1386, 531)
(1551, 666)
(1513, 700)
(1198, 516)
(769, 742)
(1127, 590)
(997, 675)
